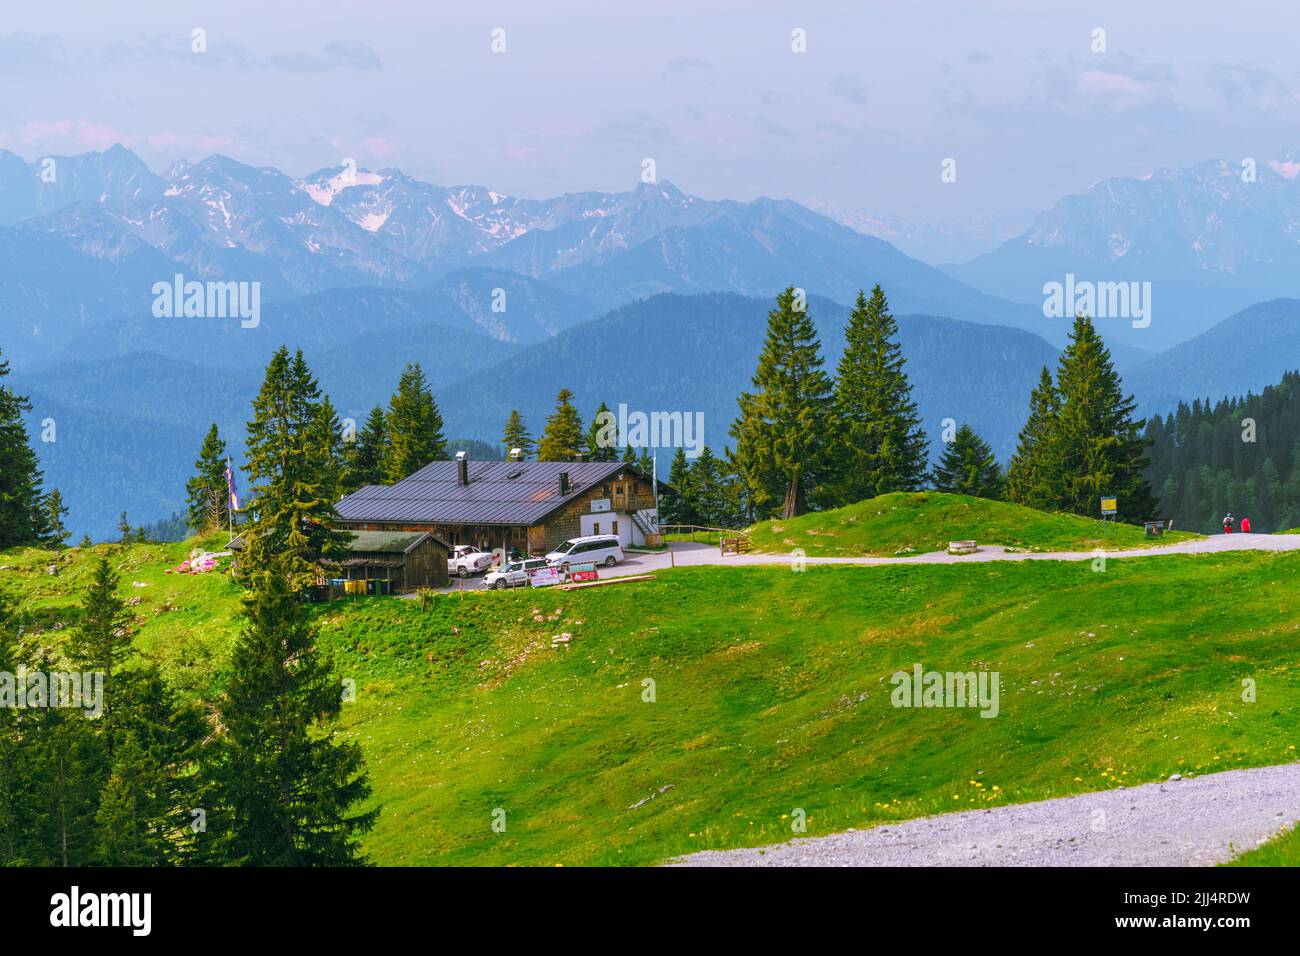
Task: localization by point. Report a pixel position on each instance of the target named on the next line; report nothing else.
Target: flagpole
(230, 505)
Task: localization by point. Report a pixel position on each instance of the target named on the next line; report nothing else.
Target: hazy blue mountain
(1210, 243)
(1243, 353)
(697, 353)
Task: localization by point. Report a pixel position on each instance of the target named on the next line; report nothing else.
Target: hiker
(1245, 526)
(1227, 523)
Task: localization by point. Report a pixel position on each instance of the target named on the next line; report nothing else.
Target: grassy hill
(920, 522)
(771, 692)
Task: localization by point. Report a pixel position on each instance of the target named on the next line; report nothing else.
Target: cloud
(27, 53)
(852, 87)
(222, 54)
(1249, 85)
(682, 66)
(78, 135)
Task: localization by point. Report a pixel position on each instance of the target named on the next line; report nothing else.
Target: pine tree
(516, 435)
(1102, 446)
(968, 467)
(675, 495)
(602, 436)
(286, 789)
(101, 643)
(415, 435)
(208, 497)
(782, 439)
(562, 439)
(708, 492)
(124, 529)
(881, 447)
(366, 463)
(21, 512)
(56, 534)
(294, 481)
(1034, 474)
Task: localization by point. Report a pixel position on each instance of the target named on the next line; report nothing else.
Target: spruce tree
(367, 462)
(516, 435)
(293, 478)
(562, 439)
(1034, 474)
(675, 495)
(880, 444)
(602, 436)
(207, 495)
(22, 516)
(1102, 446)
(287, 790)
(415, 435)
(708, 492)
(968, 467)
(56, 532)
(101, 643)
(782, 434)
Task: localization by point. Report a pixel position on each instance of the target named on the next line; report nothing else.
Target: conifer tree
(293, 483)
(968, 467)
(1034, 472)
(286, 789)
(602, 436)
(366, 463)
(880, 444)
(101, 643)
(783, 432)
(415, 435)
(56, 532)
(675, 496)
(1102, 446)
(563, 438)
(22, 516)
(708, 494)
(516, 435)
(208, 497)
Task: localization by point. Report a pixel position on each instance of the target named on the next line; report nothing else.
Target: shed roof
(385, 542)
(504, 493)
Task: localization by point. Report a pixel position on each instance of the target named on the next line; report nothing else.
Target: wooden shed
(395, 561)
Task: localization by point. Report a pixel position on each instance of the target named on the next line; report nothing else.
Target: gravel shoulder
(1193, 821)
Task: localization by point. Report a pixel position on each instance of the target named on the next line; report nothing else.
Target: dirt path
(1189, 822)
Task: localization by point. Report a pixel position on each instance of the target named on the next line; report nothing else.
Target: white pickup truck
(466, 560)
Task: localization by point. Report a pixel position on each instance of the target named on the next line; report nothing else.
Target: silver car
(515, 574)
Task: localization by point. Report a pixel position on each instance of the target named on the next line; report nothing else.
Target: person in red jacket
(1227, 523)
(1245, 526)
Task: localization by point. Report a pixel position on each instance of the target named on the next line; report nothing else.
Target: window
(614, 528)
(595, 528)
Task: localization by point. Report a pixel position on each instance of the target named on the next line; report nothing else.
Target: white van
(592, 549)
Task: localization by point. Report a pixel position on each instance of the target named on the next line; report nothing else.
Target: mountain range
(651, 297)
(1211, 239)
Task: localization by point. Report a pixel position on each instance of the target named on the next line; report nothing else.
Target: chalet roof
(504, 493)
(385, 542)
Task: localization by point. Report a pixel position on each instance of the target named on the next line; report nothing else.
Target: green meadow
(700, 709)
(924, 521)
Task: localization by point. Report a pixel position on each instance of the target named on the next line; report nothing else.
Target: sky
(713, 91)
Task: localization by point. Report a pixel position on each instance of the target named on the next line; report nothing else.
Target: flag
(230, 487)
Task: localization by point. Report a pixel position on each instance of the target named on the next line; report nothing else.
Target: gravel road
(1189, 822)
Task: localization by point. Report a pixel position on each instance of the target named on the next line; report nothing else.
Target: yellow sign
(1108, 506)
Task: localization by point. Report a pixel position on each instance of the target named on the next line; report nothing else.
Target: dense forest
(1239, 455)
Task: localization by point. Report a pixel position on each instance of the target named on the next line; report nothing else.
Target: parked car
(591, 549)
(515, 574)
(466, 560)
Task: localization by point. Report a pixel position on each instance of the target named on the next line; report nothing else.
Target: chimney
(564, 483)
(462, 468)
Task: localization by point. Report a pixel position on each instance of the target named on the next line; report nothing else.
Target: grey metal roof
(385, 542)
(433, 495)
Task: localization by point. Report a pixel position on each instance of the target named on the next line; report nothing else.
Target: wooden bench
(736, 545)
(1158, 526)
